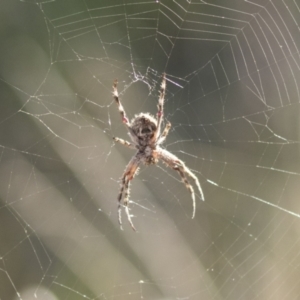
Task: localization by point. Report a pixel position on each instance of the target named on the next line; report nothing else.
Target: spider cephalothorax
(146, 136)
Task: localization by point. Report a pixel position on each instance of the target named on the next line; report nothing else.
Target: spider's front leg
(165, 133)
(120, 106)
(128, 175)
(160, 105)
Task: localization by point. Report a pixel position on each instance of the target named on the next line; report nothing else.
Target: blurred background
(233, 100)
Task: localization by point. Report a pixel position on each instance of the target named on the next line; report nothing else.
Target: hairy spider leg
(123, 142)
(126, 198)
(164, 134)
(192, 175)
(128, 175)
(181, 170)
(178, 165)
(120, 106)
(160, 105)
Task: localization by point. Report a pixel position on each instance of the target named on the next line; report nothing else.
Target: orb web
(232, 97)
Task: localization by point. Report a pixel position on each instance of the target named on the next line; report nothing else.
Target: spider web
(232, 97)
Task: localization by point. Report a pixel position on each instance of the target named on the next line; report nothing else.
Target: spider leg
(160, 105)
(180, 168)
(120, 106)
(128, 175)
(123, 142)
(178, 165)
(164, 133)
(192, 175)
(126, 201)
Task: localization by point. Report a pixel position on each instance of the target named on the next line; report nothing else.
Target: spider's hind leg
(120, 196)
(192, 175)
(178, 165)
(126, 201)
(128, 175)
(181, 169)
(124, 191)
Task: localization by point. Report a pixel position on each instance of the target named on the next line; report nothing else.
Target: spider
(146, 136)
